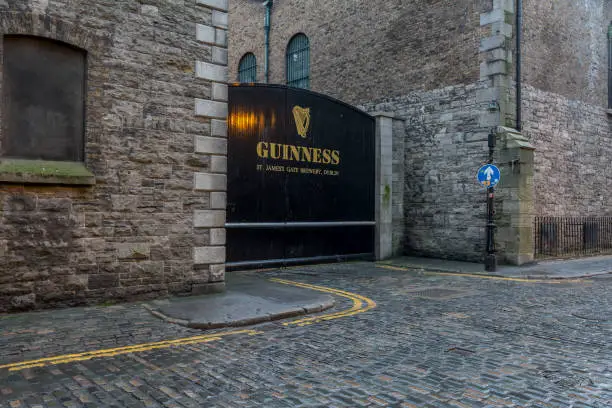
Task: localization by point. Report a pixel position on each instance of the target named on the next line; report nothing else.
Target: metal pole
(519, 32)
(268, 4)
(491, 258)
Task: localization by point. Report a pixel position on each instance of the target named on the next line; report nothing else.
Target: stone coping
(25, 171)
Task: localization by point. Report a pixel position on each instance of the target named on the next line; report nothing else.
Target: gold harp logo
(302, 120)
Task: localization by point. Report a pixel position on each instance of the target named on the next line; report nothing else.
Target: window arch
(247, 68)
(298, 62)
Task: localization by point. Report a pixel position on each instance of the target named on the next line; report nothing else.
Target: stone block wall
(573, 157)
(444, 142)
(155, 140)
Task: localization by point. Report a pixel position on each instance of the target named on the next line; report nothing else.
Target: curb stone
(297, 311)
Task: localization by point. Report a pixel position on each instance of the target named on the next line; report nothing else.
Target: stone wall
(445, 143)
(565, 94)
(573, 143)
(565, 48)
(399, 177)
(416, 45)
(155, 141)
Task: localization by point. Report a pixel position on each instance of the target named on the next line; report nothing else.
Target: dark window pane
(247, 68)
(43, 99)
(298, 62)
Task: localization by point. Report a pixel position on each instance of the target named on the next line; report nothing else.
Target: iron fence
(558, 237)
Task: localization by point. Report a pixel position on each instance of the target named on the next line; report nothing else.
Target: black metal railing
(558, 237)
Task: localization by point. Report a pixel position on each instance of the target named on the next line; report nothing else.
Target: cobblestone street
(433, 340)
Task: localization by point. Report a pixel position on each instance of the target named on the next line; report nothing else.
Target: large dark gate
(300, 178)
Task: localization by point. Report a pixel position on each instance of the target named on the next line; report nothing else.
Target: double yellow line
(137, 348)
(360, 304)
(475, 275)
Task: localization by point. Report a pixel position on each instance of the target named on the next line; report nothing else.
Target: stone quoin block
(218, 200)
(492, 17)
(219, 55)
(209, 255)
(209, 218)
(221, 37)
(216, 4)
(210, 182)
(212, 109)
(217, 273)
(219, 19)
(205, 33)
(212, 72)
(219, 128)
(219, 92)
(210, 145)
(217, 236)
(218, 164)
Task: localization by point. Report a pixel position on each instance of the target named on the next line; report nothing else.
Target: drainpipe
(519, 32)
(268, 5)
(610, 66)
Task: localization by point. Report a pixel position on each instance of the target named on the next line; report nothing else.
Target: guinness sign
(300, 158)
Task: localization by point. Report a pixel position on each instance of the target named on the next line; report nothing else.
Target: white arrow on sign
(489, 173)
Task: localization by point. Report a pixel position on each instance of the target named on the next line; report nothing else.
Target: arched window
(247, 68)
(298, 62)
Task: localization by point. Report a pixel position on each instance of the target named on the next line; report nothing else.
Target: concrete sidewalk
(248, 300)
(557, 269)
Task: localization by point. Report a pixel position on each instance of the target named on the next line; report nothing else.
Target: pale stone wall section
(514, 200)
(214, 181)
(384, 185)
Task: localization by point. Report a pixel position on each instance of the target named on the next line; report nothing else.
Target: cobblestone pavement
(431, 341)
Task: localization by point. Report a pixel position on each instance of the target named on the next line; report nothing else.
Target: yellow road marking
(88, 355)
(360, 303)
(475, 275)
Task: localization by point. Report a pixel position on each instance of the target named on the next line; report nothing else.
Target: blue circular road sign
(488, 175)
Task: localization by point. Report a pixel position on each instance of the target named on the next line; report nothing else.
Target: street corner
(251, 300)
(247, 301)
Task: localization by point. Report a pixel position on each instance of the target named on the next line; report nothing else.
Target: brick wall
(415, 45)
(155, 140)
(565, 48)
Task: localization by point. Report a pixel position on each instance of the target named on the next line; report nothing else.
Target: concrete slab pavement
(554, 269)
(248, 300)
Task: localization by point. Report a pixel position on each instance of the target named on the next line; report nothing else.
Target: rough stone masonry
(146, 215)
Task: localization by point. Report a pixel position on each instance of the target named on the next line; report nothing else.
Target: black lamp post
(491, 257)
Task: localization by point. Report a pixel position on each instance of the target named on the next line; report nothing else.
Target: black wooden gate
(300, 178)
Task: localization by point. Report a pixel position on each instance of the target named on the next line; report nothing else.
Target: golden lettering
(275, 151)
(316, 155)
(335, 157)
(306, 156)
(295, 153)
(326, 156)
(262, 150)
